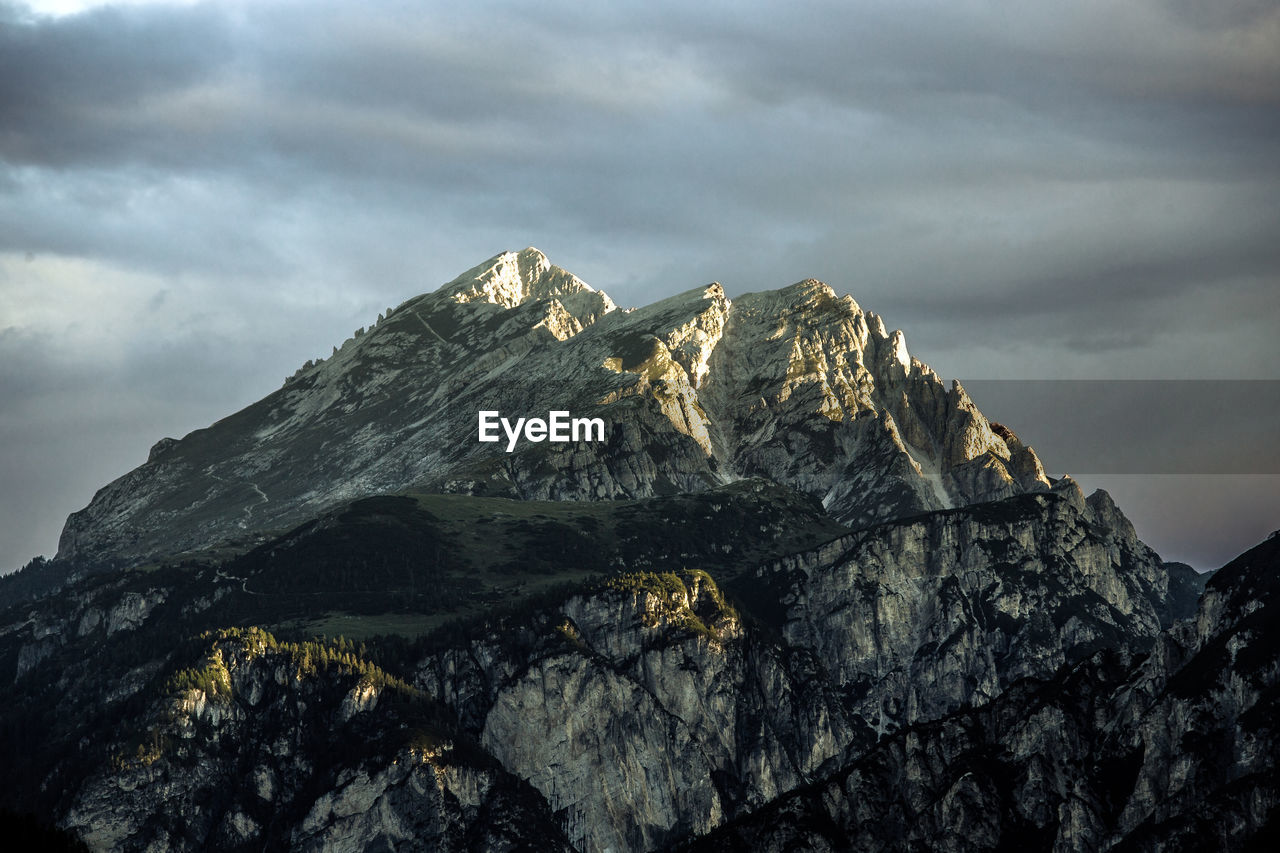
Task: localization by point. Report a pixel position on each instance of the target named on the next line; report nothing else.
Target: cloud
(68, 86)
(1027, 189)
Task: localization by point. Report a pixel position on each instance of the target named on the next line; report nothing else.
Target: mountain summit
(796, 385)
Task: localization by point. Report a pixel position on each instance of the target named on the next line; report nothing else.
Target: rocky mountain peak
(510, 279)
(797, 385)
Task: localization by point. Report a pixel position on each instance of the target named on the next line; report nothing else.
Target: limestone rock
(1171, 751)
(696, 390)
(914, 620)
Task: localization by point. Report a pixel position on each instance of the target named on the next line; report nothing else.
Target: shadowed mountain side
(594, 674)
(1172, 751)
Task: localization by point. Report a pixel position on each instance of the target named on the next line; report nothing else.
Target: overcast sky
(195, 198)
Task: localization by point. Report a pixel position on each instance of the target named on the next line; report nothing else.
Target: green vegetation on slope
(408, 564)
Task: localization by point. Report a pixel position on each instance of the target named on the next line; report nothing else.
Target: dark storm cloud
(1104, 249)
(1028, 189)
(652, 121)
(67, 86)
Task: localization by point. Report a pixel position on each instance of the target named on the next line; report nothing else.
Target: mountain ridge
(565, 705)
(1171, 750)
(796, 385)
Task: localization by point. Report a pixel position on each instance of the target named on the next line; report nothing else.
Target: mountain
(632, 710)
(799, 595)
(795, 385)
(1172, 751)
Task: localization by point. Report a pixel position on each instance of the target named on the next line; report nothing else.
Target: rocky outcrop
(914, 620)
(795, 385)
(645, 712)
(1174, 751)
(103, 609)
(807, 388)
(659, 712)
(265, 747)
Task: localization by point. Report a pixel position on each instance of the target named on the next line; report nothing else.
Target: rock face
(991, 675)
(795, 385)
(632, 716)
(279, 751)
(808, 389)
(646, 712)
(665, 715)
(914, 620)
(1174, 751)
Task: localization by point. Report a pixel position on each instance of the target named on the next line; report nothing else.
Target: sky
(196, 198)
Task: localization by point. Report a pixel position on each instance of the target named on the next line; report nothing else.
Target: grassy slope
(405, 564)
